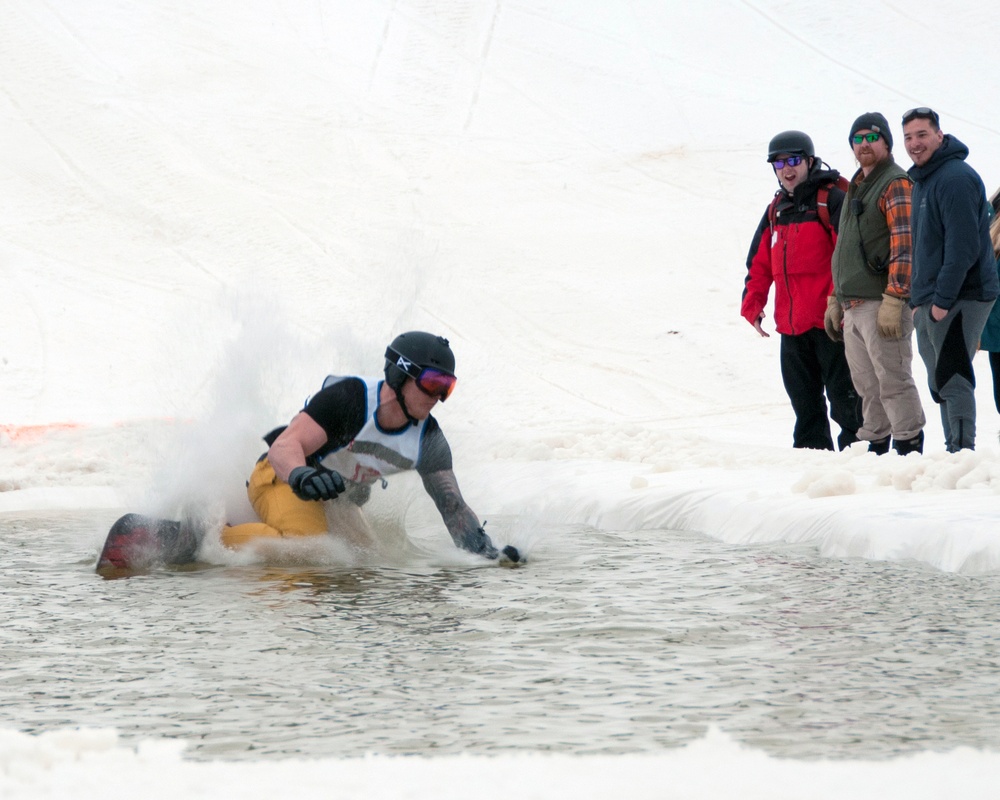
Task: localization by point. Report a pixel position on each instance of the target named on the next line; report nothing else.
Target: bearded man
(869, 309)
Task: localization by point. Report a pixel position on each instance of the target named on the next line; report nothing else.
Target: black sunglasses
(923, 112)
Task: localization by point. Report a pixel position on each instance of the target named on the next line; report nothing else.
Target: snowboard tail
(137, 543)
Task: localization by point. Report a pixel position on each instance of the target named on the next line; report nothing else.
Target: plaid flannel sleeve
(895, 204)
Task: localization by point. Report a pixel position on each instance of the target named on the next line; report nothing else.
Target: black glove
(478, 542)
(510, 554)
(310, 483)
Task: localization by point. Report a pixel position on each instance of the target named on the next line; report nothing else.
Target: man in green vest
(871, 283)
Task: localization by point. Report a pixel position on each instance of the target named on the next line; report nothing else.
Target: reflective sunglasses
(792, 161)
(866, 137)
(923, 112)
(436, 383)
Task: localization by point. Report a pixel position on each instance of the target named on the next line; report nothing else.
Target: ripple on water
(603, 643)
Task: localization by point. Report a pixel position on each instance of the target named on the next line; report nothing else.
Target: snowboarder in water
(350, 435)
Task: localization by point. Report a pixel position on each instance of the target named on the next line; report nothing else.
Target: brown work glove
(833, 319)
(890, 317)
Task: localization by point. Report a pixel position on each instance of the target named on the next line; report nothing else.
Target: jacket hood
(820, 174)
(951, 149)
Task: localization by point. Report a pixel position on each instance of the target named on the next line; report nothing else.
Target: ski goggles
(792, 161)
(430, 380)
(436, 383)
(858, 138)
(923, 112)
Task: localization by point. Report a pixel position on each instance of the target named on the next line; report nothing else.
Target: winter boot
(846, 439)
(880, 446)
(914, 445)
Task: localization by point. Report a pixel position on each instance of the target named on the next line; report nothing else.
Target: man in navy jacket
(954, 273)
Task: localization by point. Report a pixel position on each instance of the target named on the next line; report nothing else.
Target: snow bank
(93, 764)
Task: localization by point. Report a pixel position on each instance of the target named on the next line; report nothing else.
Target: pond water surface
(603, 643)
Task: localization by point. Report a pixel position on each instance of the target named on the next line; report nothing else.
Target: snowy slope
(206, 207)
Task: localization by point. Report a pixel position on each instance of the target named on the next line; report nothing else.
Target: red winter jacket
(795, 257)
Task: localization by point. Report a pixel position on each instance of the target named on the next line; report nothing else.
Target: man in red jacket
(791, 250)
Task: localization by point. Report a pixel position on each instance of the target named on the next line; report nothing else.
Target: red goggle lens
(436, 383)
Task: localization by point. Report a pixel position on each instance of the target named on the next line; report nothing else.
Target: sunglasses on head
(858, 138)
(792, 161)
(436, 383)
(923, 112)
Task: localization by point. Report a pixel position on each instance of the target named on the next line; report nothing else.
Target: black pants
(995, 369)
(812, 363)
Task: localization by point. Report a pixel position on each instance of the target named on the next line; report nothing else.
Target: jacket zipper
(784, 272)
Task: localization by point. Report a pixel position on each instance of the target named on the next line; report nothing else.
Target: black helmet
(794, 143)
(410, 353)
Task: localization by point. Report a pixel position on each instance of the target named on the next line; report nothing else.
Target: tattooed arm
(461, 521)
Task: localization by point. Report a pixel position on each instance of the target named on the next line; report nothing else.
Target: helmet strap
(402, 404)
